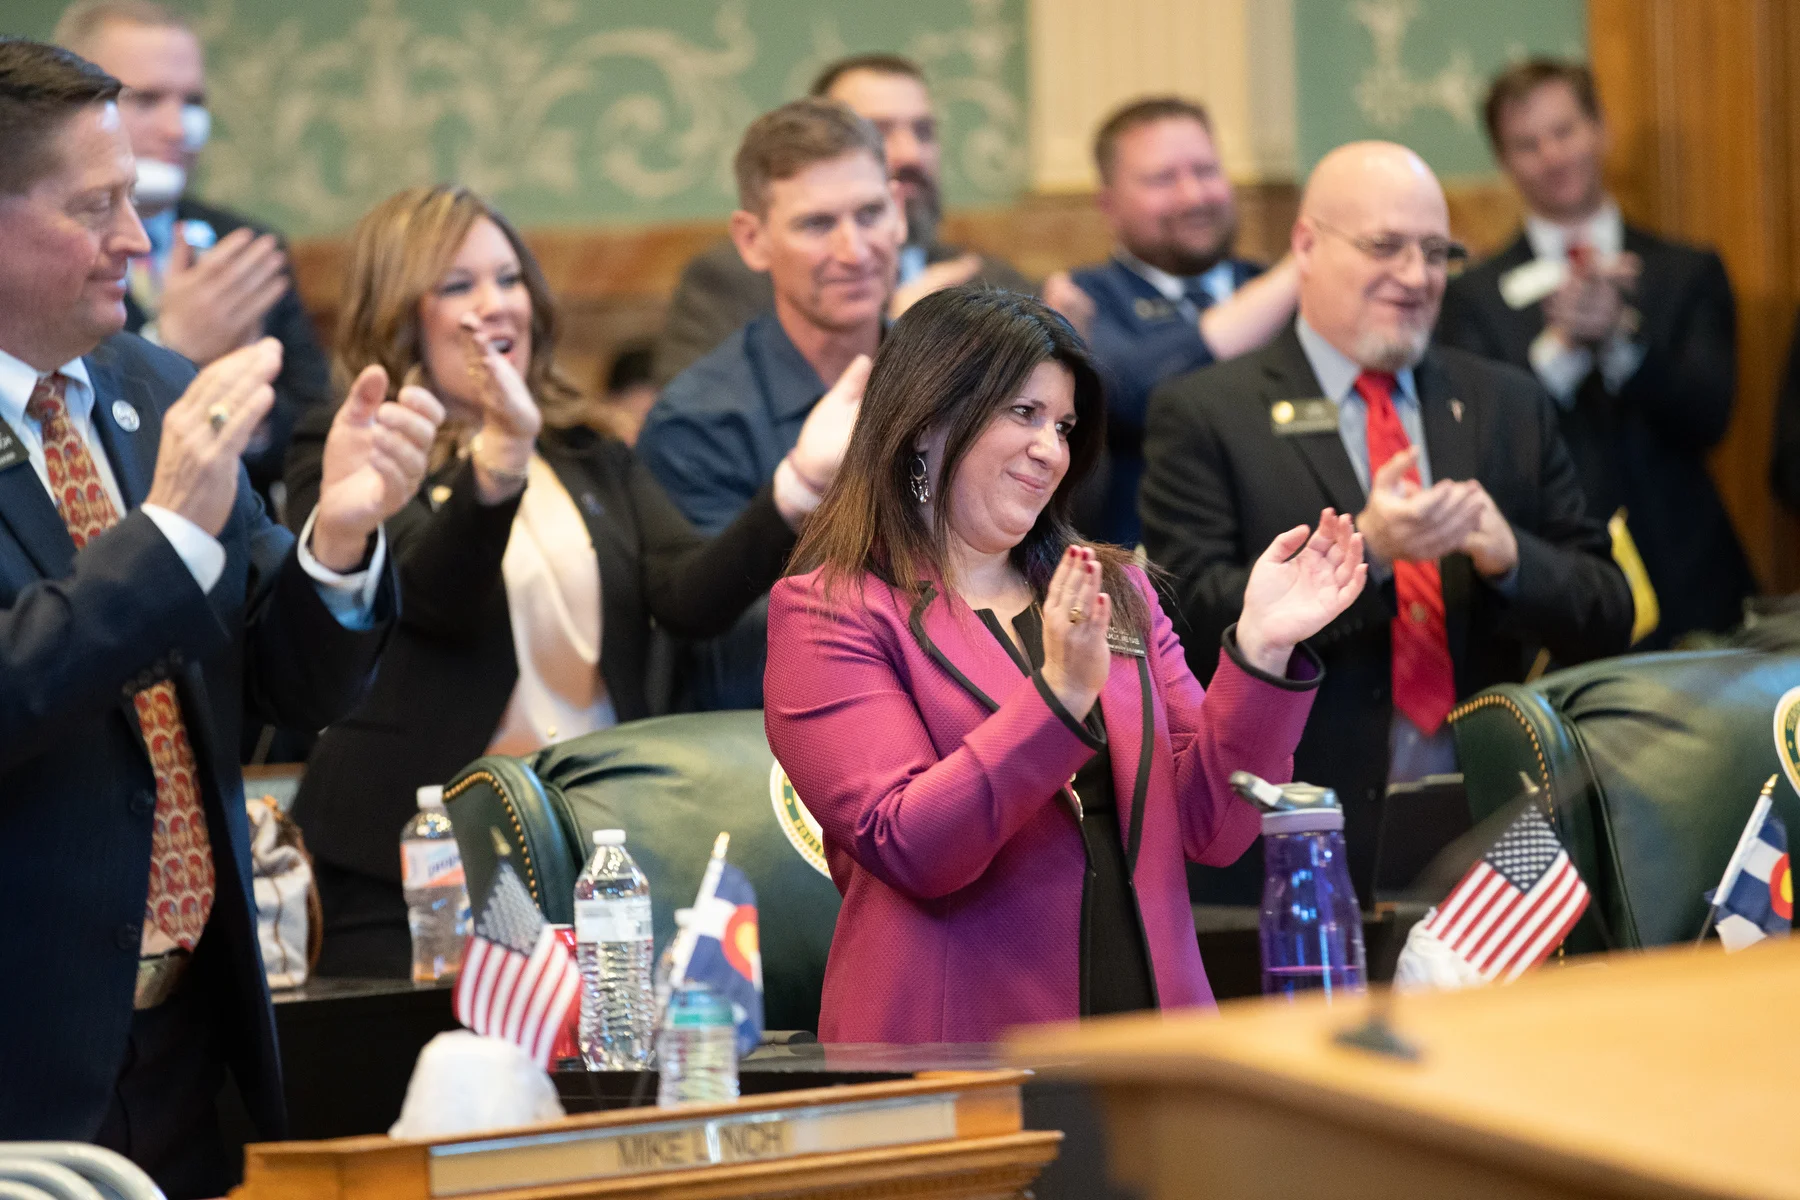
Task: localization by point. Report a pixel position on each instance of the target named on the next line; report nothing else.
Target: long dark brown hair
(954, 362)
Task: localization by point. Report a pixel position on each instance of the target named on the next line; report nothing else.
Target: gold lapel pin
(1283, 412)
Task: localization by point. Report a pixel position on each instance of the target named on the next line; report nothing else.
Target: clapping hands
(1300, 584)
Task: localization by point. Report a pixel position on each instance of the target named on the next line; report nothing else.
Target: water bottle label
(603, 920)
(430, 865)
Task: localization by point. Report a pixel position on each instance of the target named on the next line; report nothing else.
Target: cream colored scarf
(553, 595)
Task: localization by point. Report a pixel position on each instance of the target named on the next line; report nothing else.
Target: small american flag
(518, 979)
(1515, 905)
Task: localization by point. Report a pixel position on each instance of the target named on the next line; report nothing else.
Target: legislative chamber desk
(1671, 1074)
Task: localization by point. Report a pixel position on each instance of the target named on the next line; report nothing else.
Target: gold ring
(216, 416)
(1075, 617)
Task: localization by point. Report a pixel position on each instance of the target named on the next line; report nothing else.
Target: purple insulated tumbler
(1311, 924)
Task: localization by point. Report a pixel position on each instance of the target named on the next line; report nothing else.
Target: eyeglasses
(1440, 254)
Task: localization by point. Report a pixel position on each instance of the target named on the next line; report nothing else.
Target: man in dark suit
(212, 281)
(1481, 551)
(1172, 298)
(147, 601)
(719, 294)
(1631, 334)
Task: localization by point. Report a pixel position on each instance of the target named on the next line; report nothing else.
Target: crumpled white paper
(1426, 964)
(466, 1083)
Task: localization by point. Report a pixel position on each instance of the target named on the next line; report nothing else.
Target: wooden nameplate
(951, 1133)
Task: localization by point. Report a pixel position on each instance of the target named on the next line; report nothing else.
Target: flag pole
(1735, 863)
(709, 888)
(683, 949)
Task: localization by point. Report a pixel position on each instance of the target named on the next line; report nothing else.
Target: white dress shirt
(1562, 367)
(350, 597)
(1412, 753)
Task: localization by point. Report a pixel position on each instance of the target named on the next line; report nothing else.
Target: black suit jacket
(79, 633)
(446, 681)
(305, 378)
(1220, 485)
(1643, 449)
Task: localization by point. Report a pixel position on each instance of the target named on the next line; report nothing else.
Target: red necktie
(181, 865)
(1424, 676)
(1579, 253)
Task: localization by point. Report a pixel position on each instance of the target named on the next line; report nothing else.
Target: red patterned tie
(1424, 676)
(181, 865)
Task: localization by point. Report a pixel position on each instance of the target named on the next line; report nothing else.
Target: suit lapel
(130, 453)
(26, 509)
(1450, 441)
(574, 473)
(954, 637)
(1288, 376)
(1126, 704)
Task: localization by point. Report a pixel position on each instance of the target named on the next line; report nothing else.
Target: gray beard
(1379, 353)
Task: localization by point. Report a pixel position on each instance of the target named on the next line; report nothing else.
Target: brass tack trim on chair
(1463, 710)
(1507, 703)
(512, 816)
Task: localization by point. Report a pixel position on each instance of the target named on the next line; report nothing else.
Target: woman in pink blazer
(993, 723)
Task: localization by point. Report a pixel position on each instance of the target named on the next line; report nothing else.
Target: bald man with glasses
(1481, 549)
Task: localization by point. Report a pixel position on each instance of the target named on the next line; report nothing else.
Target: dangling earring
(920, 480)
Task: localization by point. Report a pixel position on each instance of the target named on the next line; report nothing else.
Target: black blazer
(1220, 485)
(1643, 449)
(305, 379)
(79, 633)
(446, 681)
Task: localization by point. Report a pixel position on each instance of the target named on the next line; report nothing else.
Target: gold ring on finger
(216, 416)
(1075, 614)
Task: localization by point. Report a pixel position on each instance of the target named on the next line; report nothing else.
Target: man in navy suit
(1172, 298)
(147, 602)
(1633, 336)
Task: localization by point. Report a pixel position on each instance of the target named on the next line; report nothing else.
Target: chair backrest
(71, 1171)
(1652, 763)
(672, 783)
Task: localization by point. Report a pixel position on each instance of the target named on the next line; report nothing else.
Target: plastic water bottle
(1311, 924)
(612, 949)
(437, 902)
(696, 1045)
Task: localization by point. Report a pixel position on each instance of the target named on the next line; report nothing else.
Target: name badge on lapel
(1128, 644)
(12, 450)
(1313, 414)
(1153, 310)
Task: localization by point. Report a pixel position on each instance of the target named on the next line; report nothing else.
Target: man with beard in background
(718, 294)
(1480, 547)
(1172, 298)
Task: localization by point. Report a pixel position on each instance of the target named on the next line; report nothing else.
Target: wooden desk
(954, 1135)
(1670, 1074)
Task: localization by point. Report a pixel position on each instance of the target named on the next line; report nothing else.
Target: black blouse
(1115, 966)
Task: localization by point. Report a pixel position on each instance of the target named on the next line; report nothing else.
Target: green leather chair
(1652, 763)
(672, 783)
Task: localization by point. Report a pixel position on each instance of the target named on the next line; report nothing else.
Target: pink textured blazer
(935, 770)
